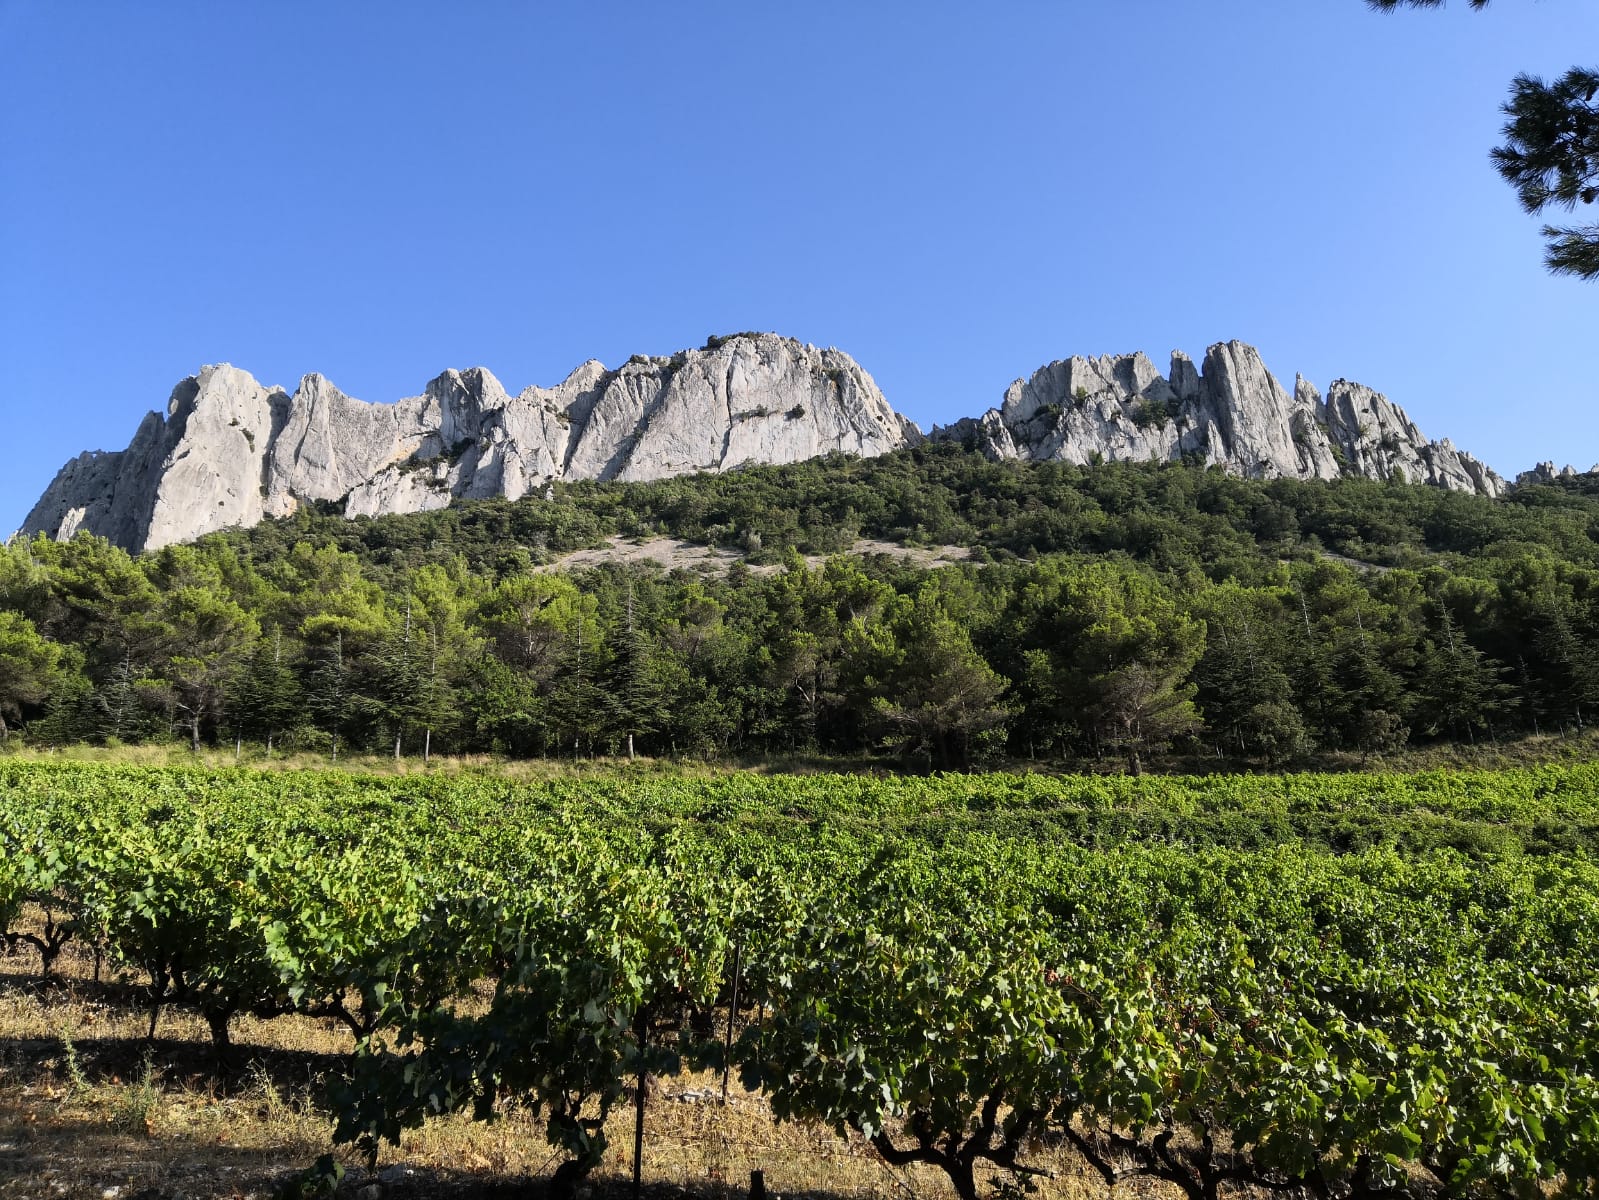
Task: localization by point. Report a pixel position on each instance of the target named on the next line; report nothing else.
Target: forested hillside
(1107, 613)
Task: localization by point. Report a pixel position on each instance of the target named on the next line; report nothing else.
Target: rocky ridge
(1230, 412)
(229, 451)
(1546, 473)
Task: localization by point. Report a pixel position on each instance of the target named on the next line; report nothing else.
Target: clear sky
(953, 193)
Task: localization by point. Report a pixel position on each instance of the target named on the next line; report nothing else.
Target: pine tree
(1367, 700)
(328, 690)
(1310, 671)
(396, 681)
(1569, 688)
(116, 702)
(936, 698)
(636, 700)
(1244, 693)
(1551, 152)
(267, 696)
(1462, 689)
(578, 705)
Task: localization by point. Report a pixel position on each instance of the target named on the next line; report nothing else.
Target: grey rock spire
(1232, 413)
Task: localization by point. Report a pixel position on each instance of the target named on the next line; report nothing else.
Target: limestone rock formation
(1231, 413)
(1546, 473)
(229, 451)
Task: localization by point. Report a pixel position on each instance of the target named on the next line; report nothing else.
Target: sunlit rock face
(1231, 412)
(1546, 473)
(229, 451)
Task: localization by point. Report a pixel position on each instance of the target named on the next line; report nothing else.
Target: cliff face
(1233, 412)
(229, 451)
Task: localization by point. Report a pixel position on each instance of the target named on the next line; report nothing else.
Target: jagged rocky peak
(229, 451)
(1546, 472)
(1230, 412)
(195, 469)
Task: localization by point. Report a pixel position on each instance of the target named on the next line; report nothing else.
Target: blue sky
(954, 193)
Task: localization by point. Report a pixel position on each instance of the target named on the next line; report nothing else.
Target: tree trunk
(963, 1178)
(217, 1021)
(959, 1166)
(158, 992)
(194, 731)
(427, 746)
(563, 1184)
(396, 747)
(630, 754)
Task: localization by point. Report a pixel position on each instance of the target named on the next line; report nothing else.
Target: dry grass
(178, 754)
(534, 770)
(1569, 748)
(90, 1108)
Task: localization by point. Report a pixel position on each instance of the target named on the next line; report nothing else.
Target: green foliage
(717, 340)
(952, 496)
(317, 1182)
(1151, 414)
(136, 1107)
(28, 666)
(1103, 655)
(1292, 981)
(1551, 152)
(1106, 613)
(882, 1018)
(934, 697)
(1551, 157)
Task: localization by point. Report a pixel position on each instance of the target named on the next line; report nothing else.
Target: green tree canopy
(27, 665)
(1551, 152)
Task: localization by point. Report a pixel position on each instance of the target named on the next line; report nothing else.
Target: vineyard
(1351, 985)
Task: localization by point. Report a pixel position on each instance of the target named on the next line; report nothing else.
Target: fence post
(732, 1011)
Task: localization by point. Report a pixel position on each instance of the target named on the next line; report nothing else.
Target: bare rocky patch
(675, 554)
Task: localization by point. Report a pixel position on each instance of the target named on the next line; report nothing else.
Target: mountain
(1232, 413)
(230, 452)
(1545, 474)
